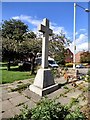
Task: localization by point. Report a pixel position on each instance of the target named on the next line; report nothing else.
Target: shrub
(75, 115)
(48, 109)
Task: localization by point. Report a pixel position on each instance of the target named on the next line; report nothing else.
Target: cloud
(82, 38)
(30, 19)
(81, 43)
(83, 29)
(35, 22)
(81, 34)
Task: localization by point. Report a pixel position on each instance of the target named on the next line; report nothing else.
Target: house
(78, 56)
(82, 56)
(68, 56)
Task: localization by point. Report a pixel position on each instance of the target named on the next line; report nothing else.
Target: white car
(79, 66)
(52, 63)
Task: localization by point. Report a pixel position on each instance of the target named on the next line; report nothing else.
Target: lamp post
(74, 31)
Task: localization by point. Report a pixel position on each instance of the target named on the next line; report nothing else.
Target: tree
(57, 46)
(30, 34)
(12, 36)
(14, 29)
(30, 48)
(85, 57)
(18, 40)
(9, 50)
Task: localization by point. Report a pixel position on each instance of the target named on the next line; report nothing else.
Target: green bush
(75, 115)
(48, 109)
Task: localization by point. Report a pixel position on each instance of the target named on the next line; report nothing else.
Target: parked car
(79, 66)
(52, 63)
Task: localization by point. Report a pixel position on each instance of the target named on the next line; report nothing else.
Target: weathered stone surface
(44, 81)
(44, 78)
(56, 93)
(63, 100)
(8, 114)
(17, 110)
(74, 94)
(0, 107)
(30, 104)
(31, 95)
(46, 32)
(44, 91)
(0, 116)
(9, 95)
(18, 100)
(6, 105)
(4, 91)
(82, 103)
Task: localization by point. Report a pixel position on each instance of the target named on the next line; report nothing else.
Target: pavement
(11, 102)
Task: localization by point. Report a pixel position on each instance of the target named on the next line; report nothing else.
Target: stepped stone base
(43, 83)
(44, 91)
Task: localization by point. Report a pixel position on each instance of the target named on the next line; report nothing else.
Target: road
(83, 70)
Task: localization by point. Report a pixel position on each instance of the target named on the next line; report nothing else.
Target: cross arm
(41, 28)
(50, 32)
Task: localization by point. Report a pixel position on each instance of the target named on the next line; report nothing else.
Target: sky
(60, 15)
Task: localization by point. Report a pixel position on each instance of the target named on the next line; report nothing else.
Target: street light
(74, 30)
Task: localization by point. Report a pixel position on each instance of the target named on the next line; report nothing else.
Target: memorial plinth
(44, 81)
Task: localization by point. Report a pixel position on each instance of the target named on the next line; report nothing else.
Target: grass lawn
(13, 75)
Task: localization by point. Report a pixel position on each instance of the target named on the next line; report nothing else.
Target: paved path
(12, 102)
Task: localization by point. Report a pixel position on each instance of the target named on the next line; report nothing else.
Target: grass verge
(11, 76)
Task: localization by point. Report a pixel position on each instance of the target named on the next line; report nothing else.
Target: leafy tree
(14, 29)
(9, 50)
(57, 47)
(12, 36)
(85, 57)
(30, 34)
(17, 41)
(30, 48)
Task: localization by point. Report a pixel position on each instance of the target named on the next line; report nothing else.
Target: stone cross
(44, 81)
(46, 32)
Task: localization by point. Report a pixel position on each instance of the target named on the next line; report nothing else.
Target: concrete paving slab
(16, 110)
(4, 91)
(18, 100)
(56, 93)
(10, 95)
(31, 95)
(69, 86)
(63, 100)
(82, 103)
(6, 105)
(30, 104)
(0, 107)
(0, 116)
(8, 114)
(26, 97)
(73, 94)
